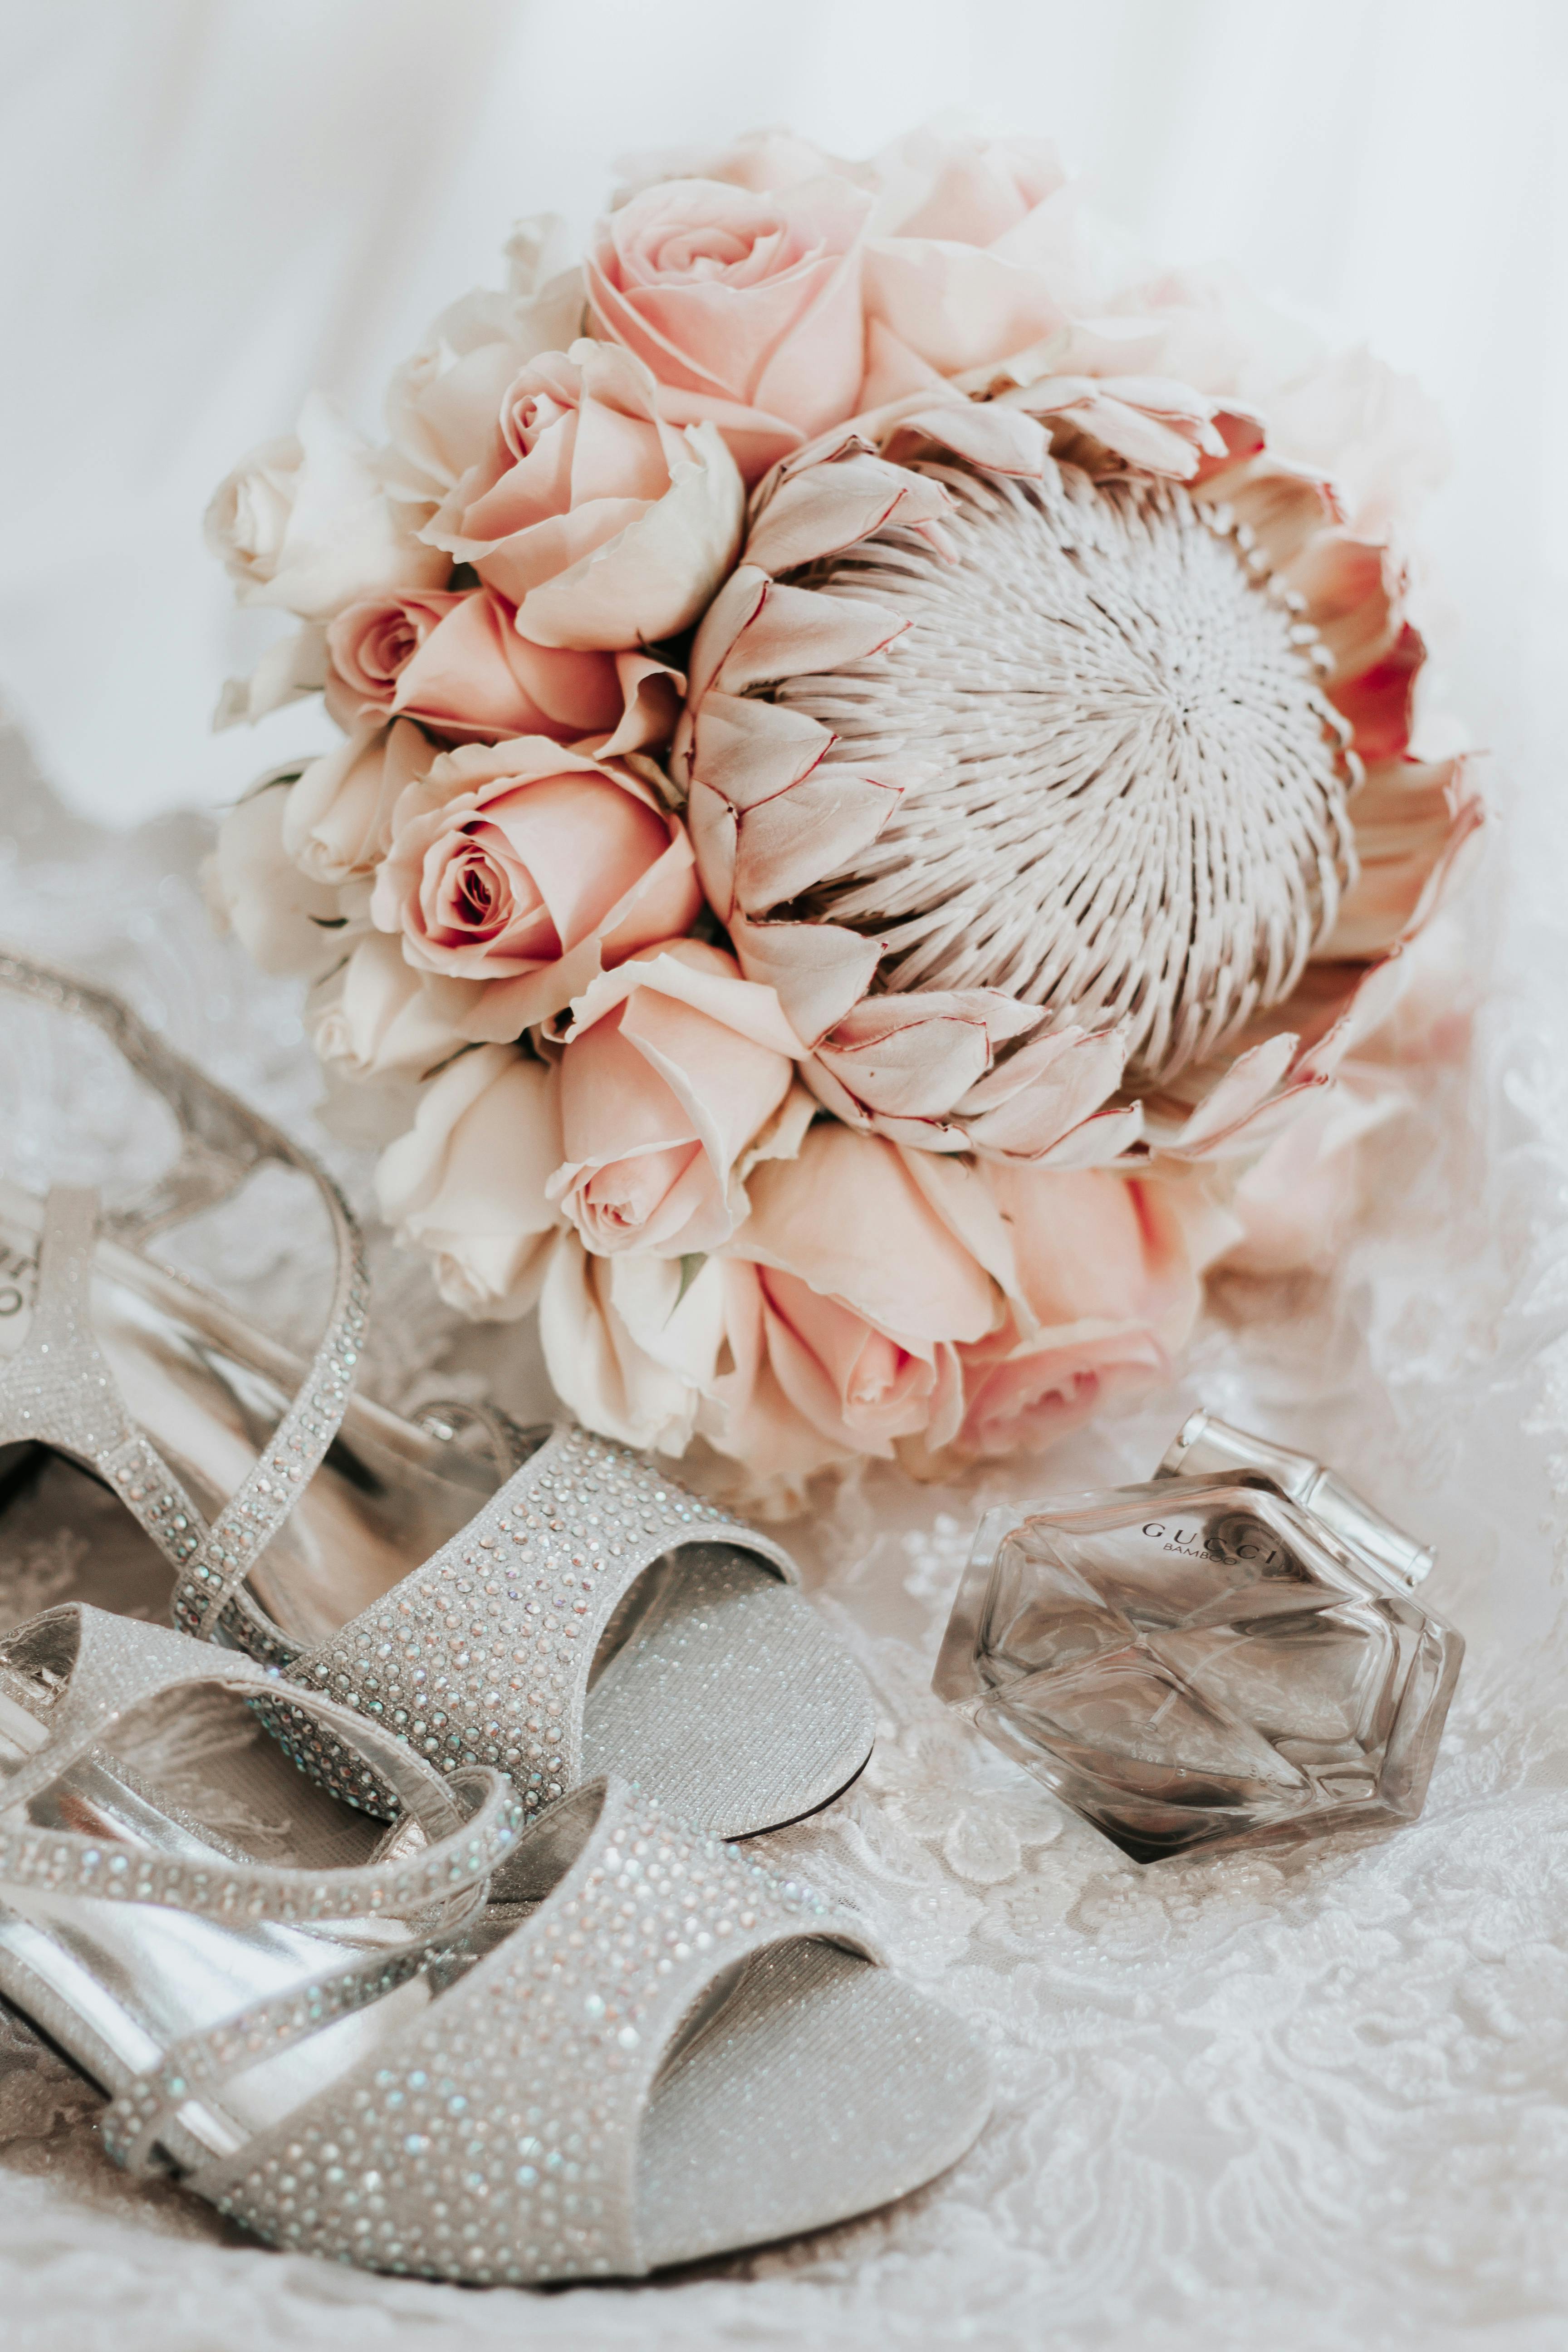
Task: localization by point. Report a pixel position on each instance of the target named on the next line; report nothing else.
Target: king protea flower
(1049, 755)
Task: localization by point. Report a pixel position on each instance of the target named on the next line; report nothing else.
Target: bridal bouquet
(879, 831)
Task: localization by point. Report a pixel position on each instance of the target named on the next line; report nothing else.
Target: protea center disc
(1133, 804)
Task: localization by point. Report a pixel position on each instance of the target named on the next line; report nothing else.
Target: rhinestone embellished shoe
(642, 2050)
(554, 1605)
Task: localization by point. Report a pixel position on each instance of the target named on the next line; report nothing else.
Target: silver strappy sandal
(645, 2050)
(562, 1609)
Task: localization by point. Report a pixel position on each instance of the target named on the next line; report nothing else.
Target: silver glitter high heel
(560, 1610)
(641, 2049)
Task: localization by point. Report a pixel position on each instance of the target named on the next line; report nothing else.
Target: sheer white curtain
(208, 206)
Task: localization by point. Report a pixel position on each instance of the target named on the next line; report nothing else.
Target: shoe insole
(821, 2088)
(728, 1699)
(115, 1983)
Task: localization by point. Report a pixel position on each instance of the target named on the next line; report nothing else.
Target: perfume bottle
(1232, 1654)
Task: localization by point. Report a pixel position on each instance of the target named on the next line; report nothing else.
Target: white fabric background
(1311, 2104)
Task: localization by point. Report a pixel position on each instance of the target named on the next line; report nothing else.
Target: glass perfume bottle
(1230, 1654)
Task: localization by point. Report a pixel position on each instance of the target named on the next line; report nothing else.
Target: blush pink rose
(745, 306)
(973, 260)
(1106, 1268)
(967, 190)
(848, 1299)
(1296, 1201)
(673, 1066)
(532, 866)
(603, 523)
(456, 663)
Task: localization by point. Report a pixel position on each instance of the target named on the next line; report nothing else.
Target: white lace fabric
(1312, 2100)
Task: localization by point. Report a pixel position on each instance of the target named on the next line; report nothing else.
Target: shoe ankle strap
(200, 2067)
(58, 1389)
(222, 1141)
(88, 1671)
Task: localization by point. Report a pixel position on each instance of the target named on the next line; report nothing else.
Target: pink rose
(845, 1320)
(604, 524)
(456, 663)
(972, 261)
(534, 867)
(1295, 1200)
(631, 1342)
(673, 1066)
(745, 306)
(1105, 1265)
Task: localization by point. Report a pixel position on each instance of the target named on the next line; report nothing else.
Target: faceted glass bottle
(1200, 1663)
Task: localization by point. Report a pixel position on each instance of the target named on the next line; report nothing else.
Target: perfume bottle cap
(1206, 1448)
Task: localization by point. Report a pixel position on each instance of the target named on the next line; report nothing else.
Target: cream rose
(337, 820)
(606, 526)
(631, 1347)
(745, 306)
(673, 1064)
(289, 671)
(964, 189)
(306, 522)
(441, 404)
(466, 1184)
(376, 1017)
(533, 867)
(286, 921)
(973, 258)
